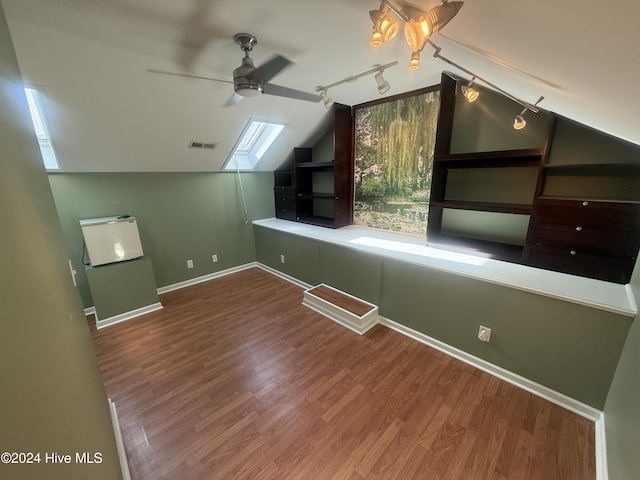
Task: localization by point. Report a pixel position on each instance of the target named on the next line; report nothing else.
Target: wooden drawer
(284, 192)
(601, 267)
(285, 208)
(587, 239)
(612, 215)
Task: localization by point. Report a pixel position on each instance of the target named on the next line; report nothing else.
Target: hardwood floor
(235, 379)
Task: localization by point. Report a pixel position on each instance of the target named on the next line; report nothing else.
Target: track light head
(383, 85)
(519, 122)
(326, 100)
(384, 27)
(470, 93)
(414, 62)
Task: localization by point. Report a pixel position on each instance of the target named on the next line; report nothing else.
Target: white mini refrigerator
(111, 239)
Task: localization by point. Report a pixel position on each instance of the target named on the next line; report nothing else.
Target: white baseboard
(557, 398)
(127, 315)
(205, 278)
(602, 466)
(122, 454)
(284, 276)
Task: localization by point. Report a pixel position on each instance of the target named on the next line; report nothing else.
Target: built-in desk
(123, 290)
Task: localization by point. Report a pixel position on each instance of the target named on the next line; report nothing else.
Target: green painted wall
(570, 348)
(122, 287)
(52, 397)
(622, 410)
(180, 216)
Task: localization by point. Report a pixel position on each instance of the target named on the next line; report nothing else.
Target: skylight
(40, 126)
(256, 138)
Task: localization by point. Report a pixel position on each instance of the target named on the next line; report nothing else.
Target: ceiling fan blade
(233, 99)
(271, 89)
(164, 72)
(270, 69)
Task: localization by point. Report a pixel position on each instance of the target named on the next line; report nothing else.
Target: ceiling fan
(252, 81)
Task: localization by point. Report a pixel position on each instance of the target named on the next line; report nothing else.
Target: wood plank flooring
(235, 379)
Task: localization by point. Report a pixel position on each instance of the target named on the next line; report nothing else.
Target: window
(256, 138)
(35, 100)
(394, 143)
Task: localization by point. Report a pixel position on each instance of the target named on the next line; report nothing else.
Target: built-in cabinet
(572, 204)
(318, 189)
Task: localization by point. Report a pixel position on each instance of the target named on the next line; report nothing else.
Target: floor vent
(202, 145)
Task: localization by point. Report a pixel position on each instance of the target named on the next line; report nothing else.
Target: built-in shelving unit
(572, 205)
(320, 191)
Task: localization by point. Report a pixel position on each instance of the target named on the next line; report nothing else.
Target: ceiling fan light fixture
(383, 85)
(414, 62)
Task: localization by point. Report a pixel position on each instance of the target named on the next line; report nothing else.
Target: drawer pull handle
(585, 203)
(578, 229)
(573, 252)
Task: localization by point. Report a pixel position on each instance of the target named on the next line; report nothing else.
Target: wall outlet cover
(484, 334)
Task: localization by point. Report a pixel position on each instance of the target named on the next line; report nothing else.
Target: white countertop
(593, 293)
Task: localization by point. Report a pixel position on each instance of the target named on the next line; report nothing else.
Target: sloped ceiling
(108, 113)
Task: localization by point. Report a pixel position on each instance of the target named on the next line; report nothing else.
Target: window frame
(257, 136)
(37, 101)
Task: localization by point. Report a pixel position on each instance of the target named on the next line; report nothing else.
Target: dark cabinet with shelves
(321, 189)
(480, 201)
(571, 205)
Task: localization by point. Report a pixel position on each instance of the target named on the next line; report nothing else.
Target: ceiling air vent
(202, 145)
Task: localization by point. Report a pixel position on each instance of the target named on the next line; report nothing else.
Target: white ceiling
(109, 114)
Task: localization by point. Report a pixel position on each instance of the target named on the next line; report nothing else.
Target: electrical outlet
(484, 334)
(189, 263)
(214, 258)
(281, 258)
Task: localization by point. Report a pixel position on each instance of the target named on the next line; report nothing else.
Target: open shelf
(471, 246)
(530, 156)
(316, 165)
(314, 195)
(484, 206)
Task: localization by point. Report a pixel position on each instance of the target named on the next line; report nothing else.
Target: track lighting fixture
(384, 27)
(325, 98)
(470, 93)
(414, 62)
(519, 122)
(383, 85)
(419, 25)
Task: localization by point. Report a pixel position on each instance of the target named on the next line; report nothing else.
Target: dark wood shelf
(596, 167)
(316, 165)
(484, 206)
(312, 196)
(316, 220)
(524, 155)
(588, 199)
(483, 248)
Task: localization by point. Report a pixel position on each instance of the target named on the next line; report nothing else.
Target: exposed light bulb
(470, 93)
(376, 38)
(519, 122)
(414, 63)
